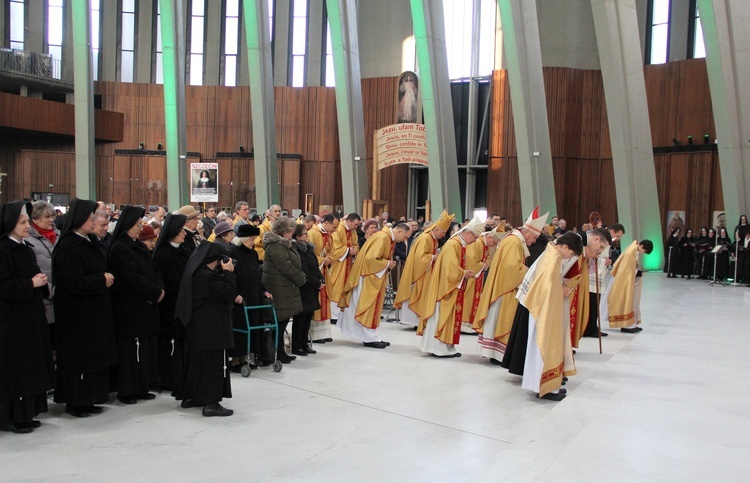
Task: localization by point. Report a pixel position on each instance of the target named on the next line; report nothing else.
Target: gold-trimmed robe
(476, 256)
(620, 308)
(506, 273)
(376, 253)
(416, 274)
(544, 301)
(445, 286)
(342, 241)
(577, 278)
(323, 242)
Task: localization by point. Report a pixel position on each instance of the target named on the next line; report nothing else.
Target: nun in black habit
(204, 307)
(134, 299)
(86, 347)
(170, 261)
(26, 367)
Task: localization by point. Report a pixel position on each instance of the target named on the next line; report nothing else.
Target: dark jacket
(136, 290)
(85, 329)
(170, 262)
(249, 283)
(208, 225)
(26, 367)
(282, 275)
(309, 291)
(210, 329)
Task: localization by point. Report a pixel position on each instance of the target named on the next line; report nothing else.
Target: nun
(26, 367)
(204, 307)
(170, 262)
(86, 347)
(135, 299)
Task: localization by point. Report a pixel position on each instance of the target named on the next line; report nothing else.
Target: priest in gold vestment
(548, 355)
(345, 247)
(362, 297)
(497, 304)
(321, 236)
(621, 304)
(478, 261)
(440, 326)
(416, 274)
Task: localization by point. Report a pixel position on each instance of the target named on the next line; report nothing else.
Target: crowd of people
(689, 255)
(166, 296)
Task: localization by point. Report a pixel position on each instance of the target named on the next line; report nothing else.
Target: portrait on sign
(408, 88)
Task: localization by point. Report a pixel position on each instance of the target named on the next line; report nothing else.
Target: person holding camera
(204, 306)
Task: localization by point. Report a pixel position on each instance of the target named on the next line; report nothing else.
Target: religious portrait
(675, 219)
(719, 220)
(408, 87)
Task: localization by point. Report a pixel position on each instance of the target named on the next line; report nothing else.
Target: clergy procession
(97, 302)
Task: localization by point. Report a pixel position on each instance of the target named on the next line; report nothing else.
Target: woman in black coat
(170, 262)
(308, 292)
(26, 367)
(86, 347)
(687, 254)
(722, 259)
(135, 296)
(250, 291)
(204, 307)
(672, 252)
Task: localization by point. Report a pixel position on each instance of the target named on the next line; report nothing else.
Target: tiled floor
(668, 404)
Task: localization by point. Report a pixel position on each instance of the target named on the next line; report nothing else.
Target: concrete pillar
(523, 57)
(616, 25)
(34, 38)
(84, 99)
(173, 55)
(214, 50)
(145, 42)
(727, 43)
(282, 48)
(316, 44)
(679, 23)
(109, 39)
(434, 84)
(255, 15)
(66, 64)
(342, 16)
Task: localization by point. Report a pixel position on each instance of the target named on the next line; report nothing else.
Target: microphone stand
(714, 281)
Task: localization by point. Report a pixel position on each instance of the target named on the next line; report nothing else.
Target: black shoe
(334, 321)
(77, 411)
(146, 396)
(550, 396)
(495, 361)
(127, 399)
(285, 359)
(237, 368)
(565, 379)
(386, 343)
(18, 428)
(310, 350)
(216, 409)
(93, 409)
(320, 341)
(329, 340)
(449, 356)
(187, 404)
(638, 329)
(35, 424)
(264, 363)
(604, 334)
(375, 345)
(689, 277)
(629, 330)
(299, 352)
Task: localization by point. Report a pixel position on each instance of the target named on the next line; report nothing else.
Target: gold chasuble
(622, 286)
(263, 227)
(577, 278)
(343, 240)
(416, 274)
(323, 242)
(369, 269)
(443, 287)
(506, 273)
(476, 256)
(545, 303)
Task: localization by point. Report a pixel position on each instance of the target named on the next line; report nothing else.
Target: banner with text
(204, 182)
(401, 143)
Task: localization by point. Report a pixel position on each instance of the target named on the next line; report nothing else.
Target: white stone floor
(668, 404)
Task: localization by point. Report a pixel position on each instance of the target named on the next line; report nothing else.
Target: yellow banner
(401, 143)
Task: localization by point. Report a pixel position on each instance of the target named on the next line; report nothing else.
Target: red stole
(459, 314)
(325, 306)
